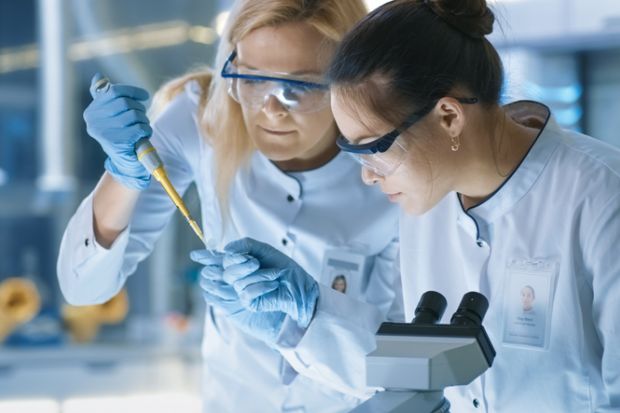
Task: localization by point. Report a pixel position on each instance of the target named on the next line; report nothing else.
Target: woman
(496, 197)
(340, 283)
(258, 139)
(499, 196)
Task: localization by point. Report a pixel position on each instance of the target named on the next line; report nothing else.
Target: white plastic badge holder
(528, 302)
(345, 271)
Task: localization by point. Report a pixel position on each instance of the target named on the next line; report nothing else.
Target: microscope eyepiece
(430, 308)
(471, 310)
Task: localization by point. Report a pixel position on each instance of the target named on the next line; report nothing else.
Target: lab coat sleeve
(89, 273)
(601, 258)
(333, 349)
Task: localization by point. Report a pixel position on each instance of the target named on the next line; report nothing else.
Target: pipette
(147, 155)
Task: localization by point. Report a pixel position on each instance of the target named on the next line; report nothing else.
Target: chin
(277, 151)
(411, 207)
(279, 154)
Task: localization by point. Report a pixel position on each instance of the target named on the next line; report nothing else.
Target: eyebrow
(296, 73)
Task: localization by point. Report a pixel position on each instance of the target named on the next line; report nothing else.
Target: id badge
(345, 271)
(528, 302)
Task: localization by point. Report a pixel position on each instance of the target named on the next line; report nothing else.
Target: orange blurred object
(84, 322)
(19, 303)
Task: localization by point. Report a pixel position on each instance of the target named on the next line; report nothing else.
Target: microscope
(415, 362)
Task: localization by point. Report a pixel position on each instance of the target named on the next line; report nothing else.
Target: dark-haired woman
(496, 197)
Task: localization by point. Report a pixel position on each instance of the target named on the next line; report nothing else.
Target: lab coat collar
(526, 174)
(294, 182)
(340, 165)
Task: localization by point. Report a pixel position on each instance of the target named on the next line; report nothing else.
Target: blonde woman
(258, 138)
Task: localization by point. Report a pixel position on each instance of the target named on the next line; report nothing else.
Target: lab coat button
(476, 403)
(284, 241)
(290, 198)
(86, 242)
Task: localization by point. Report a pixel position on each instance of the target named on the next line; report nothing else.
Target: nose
(273, 108)
(369, 176)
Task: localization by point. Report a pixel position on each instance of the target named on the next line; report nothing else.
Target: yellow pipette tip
(196, 228)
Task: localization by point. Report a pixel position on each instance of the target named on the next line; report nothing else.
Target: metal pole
(56, 143)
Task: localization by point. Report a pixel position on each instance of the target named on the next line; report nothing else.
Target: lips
(277, 132)
(394, 197)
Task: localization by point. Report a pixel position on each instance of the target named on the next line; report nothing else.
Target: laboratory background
(141, 350)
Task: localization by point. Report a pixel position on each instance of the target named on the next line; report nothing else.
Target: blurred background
(143, 351)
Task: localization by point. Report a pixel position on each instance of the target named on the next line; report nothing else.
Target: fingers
(120, 105)
(259, 292)
(128, 91)
(267, 255)
(131, 118)
(231, 259)
(219, 289)
(212, 272)
(248, 246)
(232, 273)
(212, 261)
(207, 257)
(230, 307)
(258, 276)
(121, 114)
(271, 301)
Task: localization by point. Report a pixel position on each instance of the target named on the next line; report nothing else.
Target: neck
(493, 156)
(312, 162)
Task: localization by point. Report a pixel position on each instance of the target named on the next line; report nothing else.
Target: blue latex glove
(216, 292)
(116, 119)
(271, 282)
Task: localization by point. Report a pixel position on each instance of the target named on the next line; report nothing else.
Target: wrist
(308, 311)
(136, 179)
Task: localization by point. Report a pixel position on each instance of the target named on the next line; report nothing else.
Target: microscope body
(415, 362)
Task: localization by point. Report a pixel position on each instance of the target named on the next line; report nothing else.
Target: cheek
(313, 126)
(415, 175)
(249, 118)
(416, 179)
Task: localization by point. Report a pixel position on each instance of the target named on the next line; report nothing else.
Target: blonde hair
(221, 117)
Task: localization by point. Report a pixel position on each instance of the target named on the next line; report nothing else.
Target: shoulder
(181, 108)
(586, 167)
(588, 151)
(177, 128)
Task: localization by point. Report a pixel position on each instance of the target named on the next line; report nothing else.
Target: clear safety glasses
(252, 88)
(384, 154)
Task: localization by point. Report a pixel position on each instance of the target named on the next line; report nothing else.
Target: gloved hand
(216, 292)
(272, 281)
(116, 119)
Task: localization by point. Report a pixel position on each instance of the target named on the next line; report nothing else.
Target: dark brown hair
(407, 54)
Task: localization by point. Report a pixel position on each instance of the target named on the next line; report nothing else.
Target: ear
(452, 116)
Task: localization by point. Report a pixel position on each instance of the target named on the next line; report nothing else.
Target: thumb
(207, 257)
(267, 255)
(98, 84)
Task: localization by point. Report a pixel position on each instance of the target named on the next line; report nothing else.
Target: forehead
(291, 48)
(354, 122)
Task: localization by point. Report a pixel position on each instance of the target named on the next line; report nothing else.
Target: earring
(456, 143)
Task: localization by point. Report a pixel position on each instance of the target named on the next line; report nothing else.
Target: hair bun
(471, 17)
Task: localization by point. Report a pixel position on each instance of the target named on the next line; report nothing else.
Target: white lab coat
(562, 205)
(331, 208)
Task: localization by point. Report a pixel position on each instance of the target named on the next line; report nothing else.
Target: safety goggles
(384, 154)
(252, 89)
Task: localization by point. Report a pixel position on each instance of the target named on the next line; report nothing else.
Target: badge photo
(345, 271)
